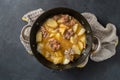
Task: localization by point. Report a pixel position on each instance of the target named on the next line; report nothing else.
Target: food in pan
(61, 39)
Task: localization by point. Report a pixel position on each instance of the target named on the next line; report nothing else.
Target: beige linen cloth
(106, 35)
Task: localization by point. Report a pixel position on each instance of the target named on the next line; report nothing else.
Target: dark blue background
(16, 64)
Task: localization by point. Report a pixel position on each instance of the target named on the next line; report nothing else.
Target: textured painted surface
(15, 64)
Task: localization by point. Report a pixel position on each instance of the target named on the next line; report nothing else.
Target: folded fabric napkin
(107, 37)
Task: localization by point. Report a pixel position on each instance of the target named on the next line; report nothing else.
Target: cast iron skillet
(41, 19)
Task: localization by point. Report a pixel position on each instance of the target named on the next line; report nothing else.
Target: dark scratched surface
(16, 64)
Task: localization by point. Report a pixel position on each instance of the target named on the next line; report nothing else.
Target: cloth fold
(107, 35)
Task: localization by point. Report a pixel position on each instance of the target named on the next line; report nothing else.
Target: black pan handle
(96, 45)
(25, 35)
(25, 32)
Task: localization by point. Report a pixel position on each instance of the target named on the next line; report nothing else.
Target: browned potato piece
(58, 54)
(58, 57)
(39, 37)
(74, 39)
(47, 55)
(58, 36)
(60, 21)
(63, 26)
(75, 27)
(57, 60)
(49, 29)
(52, 23)
(52, 34)
(81, 32)
(62, 30)
(81, 45)
(66, 61)
(83, 40)
(39, 46)
(76, 49)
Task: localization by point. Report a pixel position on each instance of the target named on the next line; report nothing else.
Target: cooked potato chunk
(51, 35)
(75, 39)
(58, 36)
(81, 32)
(58, 54)
(39, 37)
(47, 55)
(52, 23)
(49, 29)
(76, 49)
(58, 57)
(62, 30)
(81, 45)
(57, 60)
(66, 61)
(83, 40)
(75, 27)
(63, 26)
(53, 31)
(39, 47)
(60, 21)
(72, 40)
